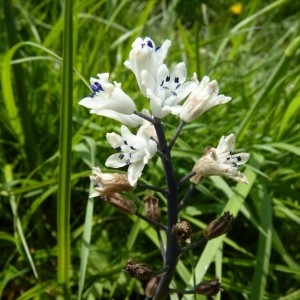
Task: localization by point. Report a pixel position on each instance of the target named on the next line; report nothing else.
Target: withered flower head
(220, 161)
(138, 270)
(219, 226)
(183, 231)
(209, 288)
(109, 183)
(152, 208)
(121, 203)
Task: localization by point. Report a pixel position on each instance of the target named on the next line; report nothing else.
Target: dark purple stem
(172, 244)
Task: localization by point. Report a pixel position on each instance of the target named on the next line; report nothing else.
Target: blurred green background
(250, 47)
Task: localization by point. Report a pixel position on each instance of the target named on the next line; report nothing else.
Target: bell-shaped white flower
(110, 101)
(145, 56)
(202, 98)
(133, 150)
(168, 90)
(220, 161)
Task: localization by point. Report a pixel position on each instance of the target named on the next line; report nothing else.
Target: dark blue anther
(167, 78)
(174, 94)
(177, 86)
(132, 148)
(118, 149)
(162, 83)
(92, 95)
(125, 142)
(96, 87)
(238, 158)
(157, 48)
(176, 80)
(128, 162)
(149, 44)
(121, 156)
(95, 184)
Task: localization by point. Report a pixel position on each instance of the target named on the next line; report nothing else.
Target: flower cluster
(165, 91)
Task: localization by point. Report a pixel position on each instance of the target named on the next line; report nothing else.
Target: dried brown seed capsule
(151, 287)
(219, 226)
(152, 210)
(121, 203)
(183, 231)
(138, 270)
(209, 288)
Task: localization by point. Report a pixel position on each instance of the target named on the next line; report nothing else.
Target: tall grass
(254, 55)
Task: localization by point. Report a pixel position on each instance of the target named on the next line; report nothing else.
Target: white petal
(114, 139)
(135, 171)
(226, 144)
(128, 120)
(114, 161)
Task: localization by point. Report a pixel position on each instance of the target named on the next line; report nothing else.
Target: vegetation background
(251, 48)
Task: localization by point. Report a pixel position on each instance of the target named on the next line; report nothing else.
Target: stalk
(172, 244)
(65, 143)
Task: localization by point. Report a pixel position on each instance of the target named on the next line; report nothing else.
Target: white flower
(221, 161)
(202, 98)
(145, 56)
(110, 101)
(167, 90)
(133, 150)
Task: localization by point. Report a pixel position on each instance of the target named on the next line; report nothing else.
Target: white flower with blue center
(110, 101)
(220, 161)
(203, 97)
(166, 91)
(132, 150)
(145, 56)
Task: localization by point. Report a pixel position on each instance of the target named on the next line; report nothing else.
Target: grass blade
(65, 143)
(264, 246)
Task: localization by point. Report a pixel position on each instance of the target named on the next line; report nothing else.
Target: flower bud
(209, 288)
(151, 208)
(109, 183)
(121, 203)
(219, 226)
(183, 231)
(138, 270)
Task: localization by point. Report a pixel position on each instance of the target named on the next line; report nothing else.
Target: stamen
(92, 95)
(96, 87)
(128, 162)
(168, 78)
(118, 149)
(149, 44)
(121, 156)
(132, 148)
(176, 80)
(125, 142)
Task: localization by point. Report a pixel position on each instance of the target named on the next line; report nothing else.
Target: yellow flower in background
(236, 8)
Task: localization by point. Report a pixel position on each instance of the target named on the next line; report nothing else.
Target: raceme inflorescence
(165, 92)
